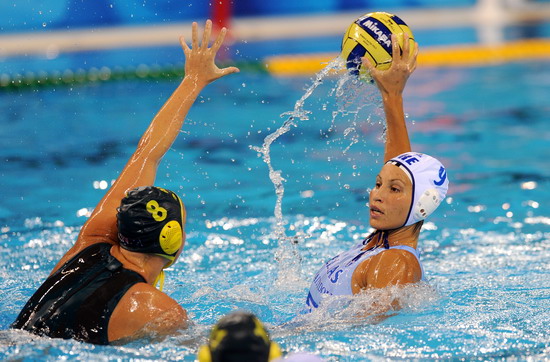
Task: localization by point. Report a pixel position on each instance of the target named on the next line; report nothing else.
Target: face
(390, 200)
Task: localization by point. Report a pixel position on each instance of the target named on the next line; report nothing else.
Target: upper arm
(392, 267)
(145, 311)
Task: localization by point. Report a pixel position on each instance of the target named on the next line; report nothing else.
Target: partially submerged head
(151, 220)
(239, 336)
(408, 189)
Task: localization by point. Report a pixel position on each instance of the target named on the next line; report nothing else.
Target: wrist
(391, 97)
(192, 84)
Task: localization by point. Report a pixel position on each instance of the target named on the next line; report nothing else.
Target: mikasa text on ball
(370, 36)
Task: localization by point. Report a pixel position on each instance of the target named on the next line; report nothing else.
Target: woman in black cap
(103, 289)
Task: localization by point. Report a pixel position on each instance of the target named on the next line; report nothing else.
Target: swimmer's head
(239, 336)
(416, 184)
(151, 220)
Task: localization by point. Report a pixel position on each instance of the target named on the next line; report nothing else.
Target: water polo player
(409, 187)
(103, 289)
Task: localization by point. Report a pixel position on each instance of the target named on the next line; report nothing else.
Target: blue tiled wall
(33, 15)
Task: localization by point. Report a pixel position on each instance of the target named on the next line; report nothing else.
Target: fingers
(229, 70)
(415, 51)
(406, 47)
(195, 35)
(396, 51)
(415, 54)
(206, 35)
(367, 63)
(219, 40)
(184, 45)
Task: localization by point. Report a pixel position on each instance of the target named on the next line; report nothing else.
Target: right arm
(141, 169)
(391, 83)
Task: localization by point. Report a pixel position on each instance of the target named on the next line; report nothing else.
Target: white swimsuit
(334, 278)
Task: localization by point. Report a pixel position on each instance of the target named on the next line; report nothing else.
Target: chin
(375, 224)
(378, 225)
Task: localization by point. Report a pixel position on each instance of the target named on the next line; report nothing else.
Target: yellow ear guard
(274, 351)
(204, 354)
(171, 238)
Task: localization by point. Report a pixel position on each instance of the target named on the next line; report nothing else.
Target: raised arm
(141, 169)
(391, 83)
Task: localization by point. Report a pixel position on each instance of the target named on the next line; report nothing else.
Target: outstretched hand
(392, 81)
(200, 59)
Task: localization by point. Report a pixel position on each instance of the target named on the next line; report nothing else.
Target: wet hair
(150, 220)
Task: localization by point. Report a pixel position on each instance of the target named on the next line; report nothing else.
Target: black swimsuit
(78, 299)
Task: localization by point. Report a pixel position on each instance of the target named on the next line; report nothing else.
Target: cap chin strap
(160, 279)
(385, 239)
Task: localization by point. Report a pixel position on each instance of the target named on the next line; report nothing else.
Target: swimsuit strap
(410, 249)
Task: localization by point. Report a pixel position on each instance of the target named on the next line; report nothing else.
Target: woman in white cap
(409, 187)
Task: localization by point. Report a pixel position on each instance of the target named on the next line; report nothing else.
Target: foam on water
(485, 252)
(486, 296)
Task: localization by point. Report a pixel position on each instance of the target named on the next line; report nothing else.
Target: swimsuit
(78, 299)
(334, 278)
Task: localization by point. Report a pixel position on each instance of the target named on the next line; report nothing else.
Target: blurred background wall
(32, 15)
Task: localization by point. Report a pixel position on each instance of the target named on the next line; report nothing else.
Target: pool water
(485, 251)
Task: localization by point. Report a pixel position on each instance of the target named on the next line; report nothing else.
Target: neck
(147, 265)
(407, 235)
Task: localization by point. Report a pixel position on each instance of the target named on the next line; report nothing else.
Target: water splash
(354, 101)
(287, 253)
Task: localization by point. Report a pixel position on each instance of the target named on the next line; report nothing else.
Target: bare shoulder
(398, 257)
(390, 267)
(146, 311)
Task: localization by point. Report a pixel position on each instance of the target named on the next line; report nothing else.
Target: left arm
(391, 83)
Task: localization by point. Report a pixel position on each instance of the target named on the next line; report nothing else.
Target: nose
(376, 195)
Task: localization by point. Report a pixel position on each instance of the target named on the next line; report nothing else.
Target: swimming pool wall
(27, 15)
(70, 42)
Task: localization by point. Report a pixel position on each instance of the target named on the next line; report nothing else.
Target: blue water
(485, 251)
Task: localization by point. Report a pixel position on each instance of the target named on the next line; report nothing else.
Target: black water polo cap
(151, 220)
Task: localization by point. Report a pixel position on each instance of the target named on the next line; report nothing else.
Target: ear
(204, 354)
(274, 351)
(426, 204)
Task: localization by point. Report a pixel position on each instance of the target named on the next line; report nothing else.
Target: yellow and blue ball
(370, 36)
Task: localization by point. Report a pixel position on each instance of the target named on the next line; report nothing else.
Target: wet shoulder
(389, 267)
(144, 311)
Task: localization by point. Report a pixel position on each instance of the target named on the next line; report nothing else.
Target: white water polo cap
(429, 181)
